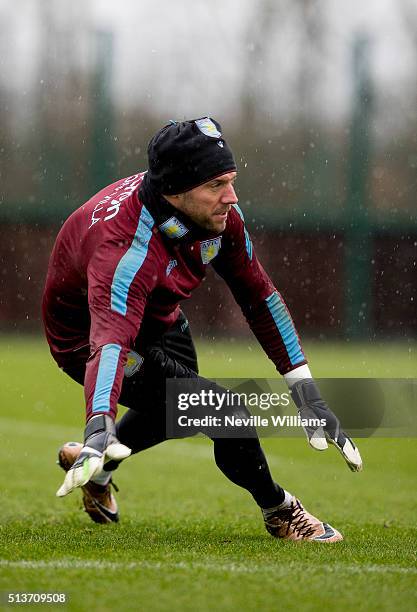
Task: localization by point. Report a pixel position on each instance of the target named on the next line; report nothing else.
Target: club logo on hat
(173, 228)
(208, 128)
(209, 249)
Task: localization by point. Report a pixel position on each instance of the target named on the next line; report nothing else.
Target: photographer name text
(252, 421)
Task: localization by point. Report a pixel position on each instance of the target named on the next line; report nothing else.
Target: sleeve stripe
(107, 368)
(131, 262)
(248, 241)
(285, 327)
(248, 244)
(239, 211)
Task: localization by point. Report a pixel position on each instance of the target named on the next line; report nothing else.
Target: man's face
(209, 204)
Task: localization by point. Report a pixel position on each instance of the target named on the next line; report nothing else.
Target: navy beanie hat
(183, 155)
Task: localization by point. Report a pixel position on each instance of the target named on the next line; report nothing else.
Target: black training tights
(173, 355)
(240, 459)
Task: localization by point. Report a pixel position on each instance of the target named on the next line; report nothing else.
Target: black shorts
(170, 355)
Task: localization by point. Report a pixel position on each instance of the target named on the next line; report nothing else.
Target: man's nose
(229, 195)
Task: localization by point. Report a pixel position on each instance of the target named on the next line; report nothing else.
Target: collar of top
(172, 223)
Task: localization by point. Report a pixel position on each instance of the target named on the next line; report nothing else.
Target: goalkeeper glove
(100, 446)
(310, 404)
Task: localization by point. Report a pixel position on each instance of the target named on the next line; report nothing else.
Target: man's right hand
(100, 446)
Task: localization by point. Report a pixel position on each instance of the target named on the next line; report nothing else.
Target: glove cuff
(305, 391)
(98, 424)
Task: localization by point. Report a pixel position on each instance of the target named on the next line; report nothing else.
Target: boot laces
(295, 516)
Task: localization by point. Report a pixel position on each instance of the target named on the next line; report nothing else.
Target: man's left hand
(310, 404)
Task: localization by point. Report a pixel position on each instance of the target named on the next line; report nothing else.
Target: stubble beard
(203, 221)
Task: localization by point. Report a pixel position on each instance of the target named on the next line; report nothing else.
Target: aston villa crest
(173, 228)
(209, 249)
(208, 128)
(133, 363)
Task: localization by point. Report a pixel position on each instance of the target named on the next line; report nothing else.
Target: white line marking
(235, 568)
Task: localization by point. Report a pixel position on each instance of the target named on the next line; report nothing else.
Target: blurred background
(318, 100)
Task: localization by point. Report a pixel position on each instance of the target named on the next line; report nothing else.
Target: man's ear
(173, 199)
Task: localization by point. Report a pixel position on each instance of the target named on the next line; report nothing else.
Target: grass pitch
(188, 539)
